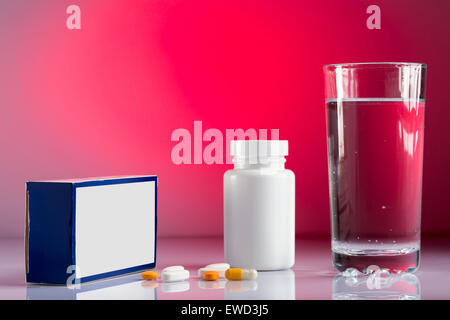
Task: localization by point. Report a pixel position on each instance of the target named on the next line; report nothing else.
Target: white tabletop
(312, 277)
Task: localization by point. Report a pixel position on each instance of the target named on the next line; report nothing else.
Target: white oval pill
(174, 276)
(224, 266)
(173, 268)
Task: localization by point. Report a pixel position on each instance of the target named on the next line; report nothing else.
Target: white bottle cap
(259, 148)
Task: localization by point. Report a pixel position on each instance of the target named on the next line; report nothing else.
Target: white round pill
(172, 268)
(219, 266)
(174, 276)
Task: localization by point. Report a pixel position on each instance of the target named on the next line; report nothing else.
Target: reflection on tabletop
(270, 285)
(384, 286)
(130, 287)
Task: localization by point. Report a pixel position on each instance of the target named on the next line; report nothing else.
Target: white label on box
(115, 227)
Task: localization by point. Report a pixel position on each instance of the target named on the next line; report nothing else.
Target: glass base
(395, 263)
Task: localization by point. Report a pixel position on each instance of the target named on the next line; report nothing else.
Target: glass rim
(374, 65)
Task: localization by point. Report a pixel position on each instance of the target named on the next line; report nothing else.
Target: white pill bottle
(259, 206)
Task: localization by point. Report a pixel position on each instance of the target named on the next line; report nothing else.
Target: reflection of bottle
(259, 206)
(270, 285)
(377, 286)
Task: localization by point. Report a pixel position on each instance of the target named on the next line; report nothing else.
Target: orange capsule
(241, 274)
(210, 275)
(149, 275)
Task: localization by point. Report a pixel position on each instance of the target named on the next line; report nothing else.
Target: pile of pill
(220, 268)
(210, 272)
(169, 274)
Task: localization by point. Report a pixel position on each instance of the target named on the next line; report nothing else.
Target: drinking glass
(375, 127)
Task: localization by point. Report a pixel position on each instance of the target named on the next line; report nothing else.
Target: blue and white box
(89, 229)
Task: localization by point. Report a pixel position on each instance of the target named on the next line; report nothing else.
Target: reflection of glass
(124, 288)
(270, 285)
(375, 129)
(388, 286)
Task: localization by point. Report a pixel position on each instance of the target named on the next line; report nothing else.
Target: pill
(220, 266)
(201, 271)
(210, 275)
(173, 268)
(174, 276)
(149, 275)
(241, 274)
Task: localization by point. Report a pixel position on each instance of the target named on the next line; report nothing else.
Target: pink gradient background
(105, 99)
